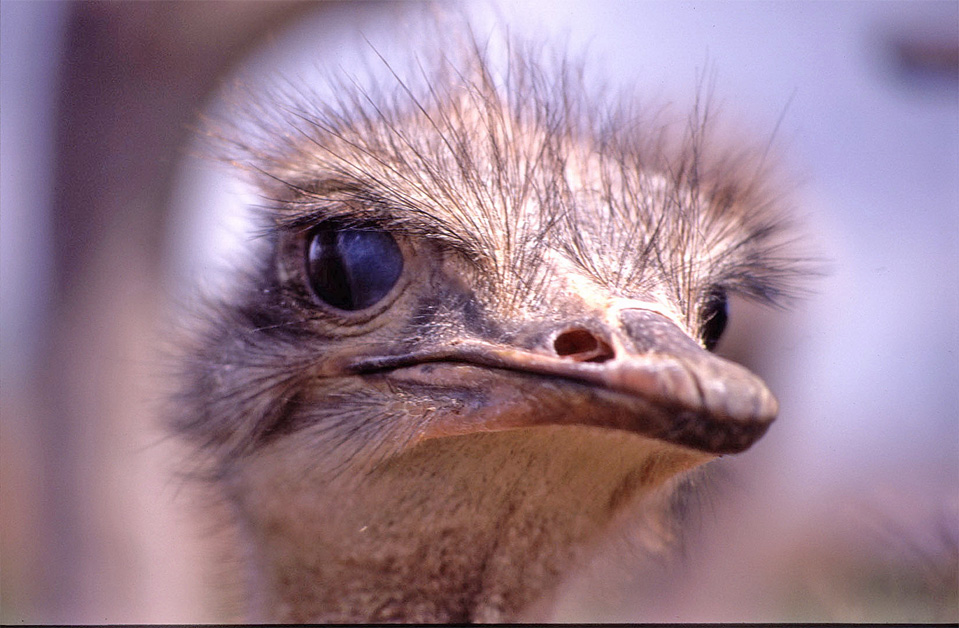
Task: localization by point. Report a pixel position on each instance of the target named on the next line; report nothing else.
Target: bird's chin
(469, 399)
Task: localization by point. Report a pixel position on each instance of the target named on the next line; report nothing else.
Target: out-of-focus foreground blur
(848, 510)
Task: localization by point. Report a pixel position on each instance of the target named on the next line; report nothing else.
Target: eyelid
(307, 223)
(359, 210)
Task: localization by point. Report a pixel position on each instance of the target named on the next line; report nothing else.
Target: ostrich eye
(715, 315)
(352, 269)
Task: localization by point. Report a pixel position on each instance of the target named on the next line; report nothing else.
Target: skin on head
(476, 335)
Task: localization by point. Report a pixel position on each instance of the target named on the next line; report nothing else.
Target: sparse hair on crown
(498, 159)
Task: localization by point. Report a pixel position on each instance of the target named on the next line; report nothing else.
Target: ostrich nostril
(582, 345)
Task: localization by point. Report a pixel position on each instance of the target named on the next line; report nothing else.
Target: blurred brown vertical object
(134, 76)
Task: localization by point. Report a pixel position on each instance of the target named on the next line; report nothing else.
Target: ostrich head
(477, 330)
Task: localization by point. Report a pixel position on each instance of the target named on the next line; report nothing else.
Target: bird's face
(487, 302)
(383, 337)
(416, 334)
(467, 269)
(475, 263)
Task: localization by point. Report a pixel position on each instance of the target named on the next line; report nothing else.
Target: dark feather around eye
(352, 268)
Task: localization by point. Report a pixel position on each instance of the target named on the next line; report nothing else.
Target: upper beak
(643, 374)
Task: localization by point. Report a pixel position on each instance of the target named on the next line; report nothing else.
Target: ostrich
(476, 336)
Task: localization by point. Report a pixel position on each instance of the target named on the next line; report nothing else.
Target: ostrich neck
(474, 528)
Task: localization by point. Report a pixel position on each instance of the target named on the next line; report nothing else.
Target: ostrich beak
(639, 373)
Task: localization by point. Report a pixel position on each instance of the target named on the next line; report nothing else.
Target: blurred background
(848, 510)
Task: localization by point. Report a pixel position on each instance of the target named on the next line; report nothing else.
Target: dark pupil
(352, 269)
(715, 317)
